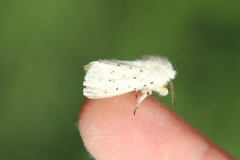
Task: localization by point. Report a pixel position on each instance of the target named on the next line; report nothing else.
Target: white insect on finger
(108, 78)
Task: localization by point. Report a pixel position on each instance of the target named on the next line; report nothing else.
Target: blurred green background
(45, 44)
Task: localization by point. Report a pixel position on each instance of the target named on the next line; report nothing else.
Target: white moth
(108, 78)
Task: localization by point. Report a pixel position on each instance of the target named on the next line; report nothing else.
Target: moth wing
(106, 78)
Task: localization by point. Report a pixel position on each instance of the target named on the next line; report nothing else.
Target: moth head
(163, 91)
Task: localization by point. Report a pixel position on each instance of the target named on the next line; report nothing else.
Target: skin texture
(110, 131)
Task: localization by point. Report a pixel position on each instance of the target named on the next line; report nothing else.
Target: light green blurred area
(45, 44)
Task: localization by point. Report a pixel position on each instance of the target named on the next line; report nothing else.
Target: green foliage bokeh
(45, 44)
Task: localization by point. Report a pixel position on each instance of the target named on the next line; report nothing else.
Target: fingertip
(111, 121)
(113, 116)
(110, 130)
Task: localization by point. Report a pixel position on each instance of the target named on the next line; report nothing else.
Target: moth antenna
(175, 67)
(172, 93)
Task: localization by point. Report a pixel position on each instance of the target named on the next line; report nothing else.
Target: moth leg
(136, 93)
(143, 94)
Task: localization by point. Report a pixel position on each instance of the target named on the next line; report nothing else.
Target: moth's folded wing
(110, 78)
